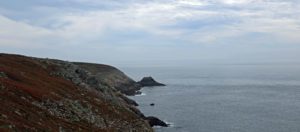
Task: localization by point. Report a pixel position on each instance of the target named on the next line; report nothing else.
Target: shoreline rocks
(112, 76)
(154, 121)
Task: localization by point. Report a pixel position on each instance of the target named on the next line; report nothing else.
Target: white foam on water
(142, 94)
(170, 124)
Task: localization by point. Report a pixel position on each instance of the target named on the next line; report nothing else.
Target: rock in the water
(152, 104)
(149, 81)
(153, 121)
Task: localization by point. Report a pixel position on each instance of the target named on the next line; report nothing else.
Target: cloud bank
(152, 30)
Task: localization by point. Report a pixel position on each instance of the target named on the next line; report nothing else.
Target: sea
(222, 98)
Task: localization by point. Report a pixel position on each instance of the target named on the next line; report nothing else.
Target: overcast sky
(153, 32)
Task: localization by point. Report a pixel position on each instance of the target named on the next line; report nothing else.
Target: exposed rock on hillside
(149, 81)
(53, 95)
(111, 76)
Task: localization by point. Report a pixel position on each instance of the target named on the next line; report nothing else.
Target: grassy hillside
(52, 95)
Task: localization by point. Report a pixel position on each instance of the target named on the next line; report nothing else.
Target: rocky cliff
(112, 76)
(54, 95)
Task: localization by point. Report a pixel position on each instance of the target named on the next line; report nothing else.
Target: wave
(170, 124)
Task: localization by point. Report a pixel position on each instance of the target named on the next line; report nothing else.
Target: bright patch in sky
(191, 2)
(237, 1)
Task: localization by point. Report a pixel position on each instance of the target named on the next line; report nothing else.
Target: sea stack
(149, 82)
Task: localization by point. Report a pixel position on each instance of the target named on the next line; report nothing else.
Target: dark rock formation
(149, 81)
(152, 104)
(153, 121)
(129, 101)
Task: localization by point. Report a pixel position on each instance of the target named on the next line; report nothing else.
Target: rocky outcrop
(111, 76)
(149, 82)
(154, 121)
(129, 101)
(53, 95)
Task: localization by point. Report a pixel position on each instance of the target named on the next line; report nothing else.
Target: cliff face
(111, 76)
(53, 95)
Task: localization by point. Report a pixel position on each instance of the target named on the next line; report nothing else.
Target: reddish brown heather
(25, 80)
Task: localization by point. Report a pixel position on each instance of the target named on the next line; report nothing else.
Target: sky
(153, 32)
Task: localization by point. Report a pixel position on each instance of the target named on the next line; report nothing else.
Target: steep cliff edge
(53, 95)
(112, 76)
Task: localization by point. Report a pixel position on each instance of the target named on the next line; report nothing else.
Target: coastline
(81, 84)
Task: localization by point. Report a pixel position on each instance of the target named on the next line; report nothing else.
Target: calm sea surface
(223, 98)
